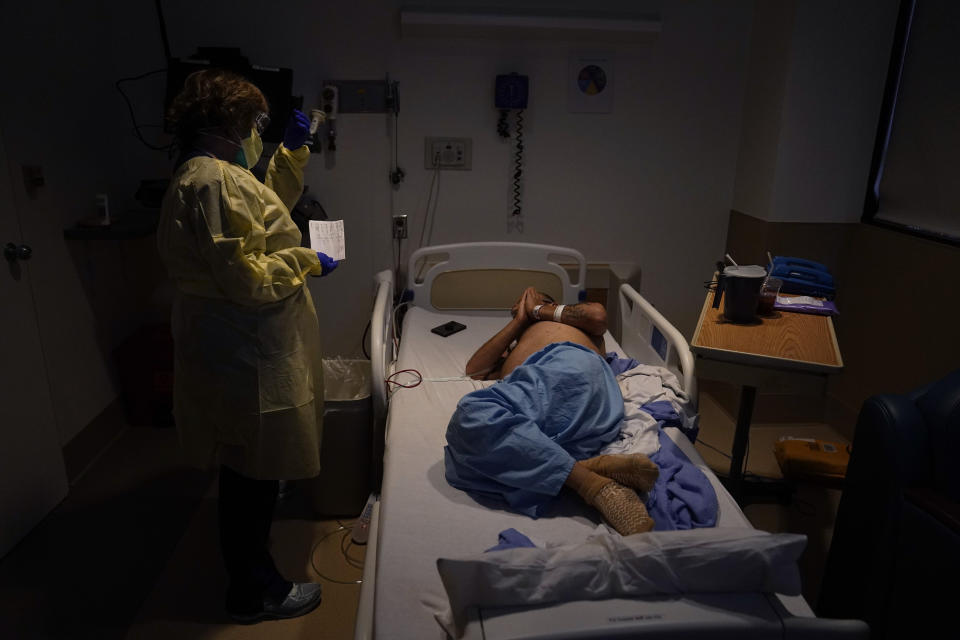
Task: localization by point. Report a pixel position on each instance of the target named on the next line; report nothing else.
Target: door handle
(13, 252)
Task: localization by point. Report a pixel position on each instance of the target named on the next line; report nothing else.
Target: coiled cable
(503, 129)
(345, 544)
(518, 166)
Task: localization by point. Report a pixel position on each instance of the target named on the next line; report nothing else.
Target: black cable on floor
(350, 561)
(710, 446)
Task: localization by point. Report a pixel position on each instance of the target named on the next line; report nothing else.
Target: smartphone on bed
(448, 328)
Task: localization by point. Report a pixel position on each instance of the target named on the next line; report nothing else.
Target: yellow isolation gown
(248, 388)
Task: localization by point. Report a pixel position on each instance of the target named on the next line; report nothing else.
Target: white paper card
(326, 236)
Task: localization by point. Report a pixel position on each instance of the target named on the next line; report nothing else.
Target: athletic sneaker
(303, 598)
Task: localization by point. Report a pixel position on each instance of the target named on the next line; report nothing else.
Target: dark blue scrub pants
(246, 512)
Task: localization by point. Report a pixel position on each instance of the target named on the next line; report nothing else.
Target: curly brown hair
(214, 98)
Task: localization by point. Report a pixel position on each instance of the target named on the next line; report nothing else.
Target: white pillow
(611, 566)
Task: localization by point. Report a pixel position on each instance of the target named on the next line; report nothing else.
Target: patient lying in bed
(541, 428)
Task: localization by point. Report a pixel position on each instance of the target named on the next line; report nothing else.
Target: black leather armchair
(894, 560)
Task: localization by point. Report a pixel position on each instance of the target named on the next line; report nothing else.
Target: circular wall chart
(592, 80)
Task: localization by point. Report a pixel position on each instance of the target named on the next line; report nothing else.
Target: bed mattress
(421, 516)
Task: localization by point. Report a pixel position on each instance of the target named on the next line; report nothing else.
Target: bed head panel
(489, 288)
(483, 276)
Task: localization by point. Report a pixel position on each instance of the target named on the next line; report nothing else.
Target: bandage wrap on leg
(634, 470)
(619, 505)
(623, 509)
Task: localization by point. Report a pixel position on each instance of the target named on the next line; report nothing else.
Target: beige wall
(750, 238)
(837, 72)
(771, 41)
(814, 88)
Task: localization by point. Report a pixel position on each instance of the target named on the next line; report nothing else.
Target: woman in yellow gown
(248, 391)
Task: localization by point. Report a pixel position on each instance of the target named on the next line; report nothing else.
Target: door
(33, 479)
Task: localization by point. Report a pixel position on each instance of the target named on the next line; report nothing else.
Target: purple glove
(328, 263)
(298, 128)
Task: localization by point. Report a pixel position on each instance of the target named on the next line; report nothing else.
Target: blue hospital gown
(518, 439)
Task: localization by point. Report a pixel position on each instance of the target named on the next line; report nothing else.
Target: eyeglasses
(261, 122)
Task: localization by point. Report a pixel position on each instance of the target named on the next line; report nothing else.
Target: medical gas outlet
(448, 153)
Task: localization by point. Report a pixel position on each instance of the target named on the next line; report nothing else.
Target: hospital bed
(420, 518)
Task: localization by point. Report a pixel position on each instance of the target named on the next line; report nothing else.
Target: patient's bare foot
(634, 470)
(623, 509)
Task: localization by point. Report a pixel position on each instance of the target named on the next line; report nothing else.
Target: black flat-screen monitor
(275, 83)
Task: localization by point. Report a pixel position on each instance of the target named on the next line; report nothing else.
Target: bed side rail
(522, 256)
(363, 627)
(382, 356)
(650, 338)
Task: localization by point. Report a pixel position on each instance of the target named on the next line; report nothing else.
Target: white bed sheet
(422, 517)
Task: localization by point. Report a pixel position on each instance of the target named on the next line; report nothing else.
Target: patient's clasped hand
(540, 429)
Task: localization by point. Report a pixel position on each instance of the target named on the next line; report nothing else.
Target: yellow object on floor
(811, 459)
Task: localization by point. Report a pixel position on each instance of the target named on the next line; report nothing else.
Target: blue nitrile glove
(328, 263)
(298, 128)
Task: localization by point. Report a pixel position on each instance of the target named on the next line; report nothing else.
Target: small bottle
(361, 530)
(317, 118)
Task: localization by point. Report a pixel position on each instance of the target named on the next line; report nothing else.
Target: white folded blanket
(639, 431)
(610, 566)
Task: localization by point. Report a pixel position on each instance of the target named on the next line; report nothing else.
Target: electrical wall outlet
(448, 153)
(400, 226)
